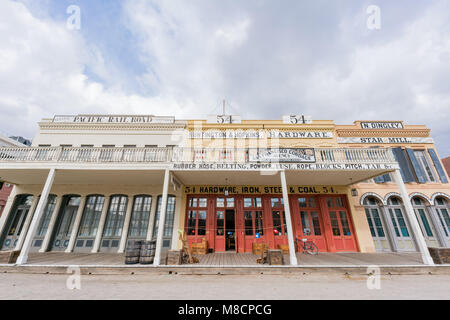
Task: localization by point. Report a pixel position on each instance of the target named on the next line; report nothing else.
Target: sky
(267, 58)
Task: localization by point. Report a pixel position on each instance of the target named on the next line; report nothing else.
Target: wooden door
(307, 221)
(338, 222)
(253, 230)
(196, 218)
(278, 219)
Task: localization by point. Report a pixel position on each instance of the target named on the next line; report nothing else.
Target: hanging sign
(297, 155)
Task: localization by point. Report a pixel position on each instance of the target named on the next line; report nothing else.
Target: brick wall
(4, 194)
(446, 162)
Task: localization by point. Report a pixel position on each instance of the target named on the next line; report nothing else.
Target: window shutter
(437, 165)
(418, 170)
(405, 169)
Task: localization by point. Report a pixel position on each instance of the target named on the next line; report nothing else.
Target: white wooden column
(162, 219)
(417, 233)
(126, 225)
(101, 225)
(26, 225)
(7, 208)
(151, 221)
(23, 257)
(287, 210)
(76, 225)
(51, 225)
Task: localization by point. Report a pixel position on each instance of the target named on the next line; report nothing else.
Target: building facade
(89, 183)
(6, 188)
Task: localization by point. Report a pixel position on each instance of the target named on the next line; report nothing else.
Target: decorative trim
(421, 195)
(370, 194)
(438, 194)
(390, 194)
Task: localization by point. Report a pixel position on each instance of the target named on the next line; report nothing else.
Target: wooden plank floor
(233, 259)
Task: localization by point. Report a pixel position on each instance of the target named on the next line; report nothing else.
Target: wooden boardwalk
(223, 259)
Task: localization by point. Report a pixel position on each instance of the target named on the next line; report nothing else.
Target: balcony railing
(188, 155)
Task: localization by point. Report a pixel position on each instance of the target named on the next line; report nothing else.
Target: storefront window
(201, 223)
(45, 220)
(334, 224)
(248, 223)
(344, 223)
(140, 216)
(220, 202)
(91, 216)
(170, 215)
(116, 216)
(192, 219)
(279, 226)
(220, 223)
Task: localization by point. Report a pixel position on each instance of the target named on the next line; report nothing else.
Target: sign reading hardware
(264, 189)
(297, 155)
(381, 125)
(384, 140)
(259, 134)
(113, 119)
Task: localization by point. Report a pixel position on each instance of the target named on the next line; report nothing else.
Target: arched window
(423, 217)
(168, 223)
(373, 214)
(45, 220)
(91, 216)
(116, 216)
(396, 214)
(442, 207)
(140, 216)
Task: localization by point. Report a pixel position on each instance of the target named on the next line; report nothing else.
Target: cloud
(268, 58)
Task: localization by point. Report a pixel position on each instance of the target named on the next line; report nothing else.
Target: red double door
(235, 222)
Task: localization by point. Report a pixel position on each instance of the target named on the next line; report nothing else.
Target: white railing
(84, 154)
(319, 155)
(189, 155)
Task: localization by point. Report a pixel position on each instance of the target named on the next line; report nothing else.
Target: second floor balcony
(86, 155)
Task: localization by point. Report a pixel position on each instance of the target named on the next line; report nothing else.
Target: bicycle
(307, 246)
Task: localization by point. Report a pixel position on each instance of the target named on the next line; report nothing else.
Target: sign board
(357, 166)
(381, 125)
(297, 119)
(223, 119)
(113, 119)
(259, 134)
(387, 140)
(265, 189)
(298, 155)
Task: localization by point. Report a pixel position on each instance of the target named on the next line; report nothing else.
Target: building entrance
(237, 222)
(230, 231)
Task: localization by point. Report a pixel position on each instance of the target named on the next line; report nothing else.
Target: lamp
(354, 192)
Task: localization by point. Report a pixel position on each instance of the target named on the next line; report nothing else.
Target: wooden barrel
(147, 253)
(133, 251)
